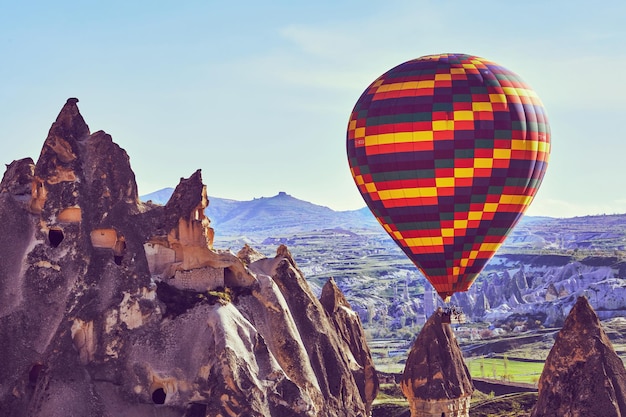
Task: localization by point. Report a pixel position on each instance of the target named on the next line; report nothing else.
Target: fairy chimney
(349, 327)
(108, 305)
(436, 380)
(582, 376)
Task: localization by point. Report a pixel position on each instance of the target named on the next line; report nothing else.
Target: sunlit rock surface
(113, 307)
(582, 376)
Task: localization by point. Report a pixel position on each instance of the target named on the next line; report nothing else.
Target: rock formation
(114, 307)
(583, 376)
(348, 324)
(545, 285)
(436, 380)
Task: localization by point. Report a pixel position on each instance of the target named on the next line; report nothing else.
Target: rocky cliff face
(113, 307)
(583, 376)
(436, 380)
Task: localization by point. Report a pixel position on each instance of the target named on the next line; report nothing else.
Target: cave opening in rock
(55, 236)
(33, 374)
(158, 396)
(119, 250)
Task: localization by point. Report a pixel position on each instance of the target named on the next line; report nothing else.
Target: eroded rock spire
(436, 380)
(349, 326)
(582, 376)
(111, 306)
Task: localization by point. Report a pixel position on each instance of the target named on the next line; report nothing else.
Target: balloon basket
(453, 315)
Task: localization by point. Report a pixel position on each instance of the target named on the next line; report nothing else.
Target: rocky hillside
(114, 307)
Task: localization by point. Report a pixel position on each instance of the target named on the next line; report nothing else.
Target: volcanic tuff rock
(348, 324)
(583, 376)
(113, 307)
(436, 380)
(545, 288)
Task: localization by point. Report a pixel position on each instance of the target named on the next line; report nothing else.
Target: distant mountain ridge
(267, 216)
(284, 215)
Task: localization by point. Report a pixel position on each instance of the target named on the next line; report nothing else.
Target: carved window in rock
(109, 239)
(104, 238)
(70, 215)
(55, 236)
(158, 396)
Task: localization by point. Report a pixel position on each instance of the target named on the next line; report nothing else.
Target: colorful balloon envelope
(448, 152)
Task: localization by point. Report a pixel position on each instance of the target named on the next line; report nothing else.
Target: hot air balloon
(448, 152)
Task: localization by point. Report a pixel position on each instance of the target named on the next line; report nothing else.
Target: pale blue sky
(258, 94)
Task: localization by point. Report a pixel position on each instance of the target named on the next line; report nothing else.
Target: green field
(493, 368)
(505, 369)
(390, 357)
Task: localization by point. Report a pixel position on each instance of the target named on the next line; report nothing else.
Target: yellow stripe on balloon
(425, 241)
(482, 106)
(530, 145)
(497, 98)
(522, 92)
(370, 187)
(410, 85)
(463, 115)
(490, 207)
(426, 84)
(483, 163)
(489, 247)
(474, 215)
(501, 154)
(401, 137)
(408, 193)
(463, 172)
(441, 125)
(515, 199)
(460, 224)
(444, 182)
(447, 232)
